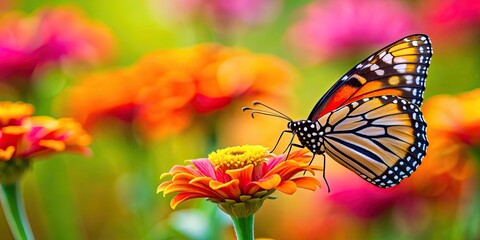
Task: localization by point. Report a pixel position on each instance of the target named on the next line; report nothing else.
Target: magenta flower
(329, 29)
(28, 43)
(368, 202)
(452, 20)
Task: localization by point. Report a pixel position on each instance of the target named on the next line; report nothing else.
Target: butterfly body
(370, 120)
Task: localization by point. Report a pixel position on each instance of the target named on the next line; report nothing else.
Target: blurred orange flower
(240, 178)
(454, 130)
(51, 35)
(165, 89)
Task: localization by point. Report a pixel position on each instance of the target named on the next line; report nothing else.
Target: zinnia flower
(329, 29)
(23, 137)
(28, 43)
(239, 179)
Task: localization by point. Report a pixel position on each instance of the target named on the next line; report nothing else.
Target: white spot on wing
(388, 58)
(409, 79)
(399, 60)
(380, 72)
(401, 68)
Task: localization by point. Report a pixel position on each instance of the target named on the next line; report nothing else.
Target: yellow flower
(239, 179)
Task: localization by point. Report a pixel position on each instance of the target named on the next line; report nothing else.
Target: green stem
(243, 227)
(12, 202)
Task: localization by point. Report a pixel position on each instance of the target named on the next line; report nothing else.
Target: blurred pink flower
(368, 202)
(51, 35)
(451, 20)
(329, 29)
(227, 16)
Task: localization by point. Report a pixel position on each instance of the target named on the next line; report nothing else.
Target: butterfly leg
(278, 141)
(311, 160)
(324, 165)
(290, 148)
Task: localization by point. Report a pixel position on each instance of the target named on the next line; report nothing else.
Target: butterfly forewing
(381, 139)
(399, 69)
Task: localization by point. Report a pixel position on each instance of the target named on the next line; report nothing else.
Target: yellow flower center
(238, 157)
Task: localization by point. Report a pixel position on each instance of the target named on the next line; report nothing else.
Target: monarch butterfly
(369, 121)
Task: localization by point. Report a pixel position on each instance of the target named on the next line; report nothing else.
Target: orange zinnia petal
(270, 182)
(288, 187)
(244, 175)
(163, 185)
(285, 169)
(179, 169)
(181, 197)
(190, 188)
(186, 177)
(228, 190)
(307, 183)
(202, 180)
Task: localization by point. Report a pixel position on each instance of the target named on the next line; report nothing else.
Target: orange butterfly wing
(399, 69)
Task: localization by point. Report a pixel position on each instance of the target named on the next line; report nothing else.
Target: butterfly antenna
(324, 177)
(264, 112)
(273, 109)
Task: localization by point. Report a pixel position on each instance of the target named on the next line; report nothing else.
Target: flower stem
(14, 210)
(243, 227)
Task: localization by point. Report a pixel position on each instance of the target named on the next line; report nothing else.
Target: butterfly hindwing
(381, 139)
(399, 69)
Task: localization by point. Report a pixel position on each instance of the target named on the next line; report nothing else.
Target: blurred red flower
(50, 35)
(331, 29)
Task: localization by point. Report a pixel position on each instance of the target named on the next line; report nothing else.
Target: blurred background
(157, 82)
